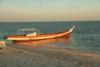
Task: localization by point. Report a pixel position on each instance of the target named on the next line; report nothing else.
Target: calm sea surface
(85, 37)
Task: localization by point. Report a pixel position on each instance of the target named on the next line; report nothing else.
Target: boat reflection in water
(37, 43)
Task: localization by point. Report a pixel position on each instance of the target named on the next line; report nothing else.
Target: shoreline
(52, 50)
(14, 56)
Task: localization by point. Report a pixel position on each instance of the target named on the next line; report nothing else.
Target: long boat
(35, 37)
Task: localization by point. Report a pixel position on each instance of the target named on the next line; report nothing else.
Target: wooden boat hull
(23, 38)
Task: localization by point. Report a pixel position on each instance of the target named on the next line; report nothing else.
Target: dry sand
(23, 56)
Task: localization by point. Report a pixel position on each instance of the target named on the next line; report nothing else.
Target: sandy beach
(23, 56)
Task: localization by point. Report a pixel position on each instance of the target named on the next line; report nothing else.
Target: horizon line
(49, 21)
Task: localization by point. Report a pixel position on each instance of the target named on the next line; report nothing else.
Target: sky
(49, 10)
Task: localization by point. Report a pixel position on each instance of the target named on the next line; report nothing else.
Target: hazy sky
(49, 10)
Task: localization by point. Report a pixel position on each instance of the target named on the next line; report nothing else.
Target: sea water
(85, 37)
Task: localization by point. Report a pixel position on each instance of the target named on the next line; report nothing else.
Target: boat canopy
(28, 31)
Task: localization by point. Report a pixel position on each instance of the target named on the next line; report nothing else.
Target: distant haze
(49, 10)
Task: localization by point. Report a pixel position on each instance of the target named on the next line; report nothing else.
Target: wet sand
(23, 56)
